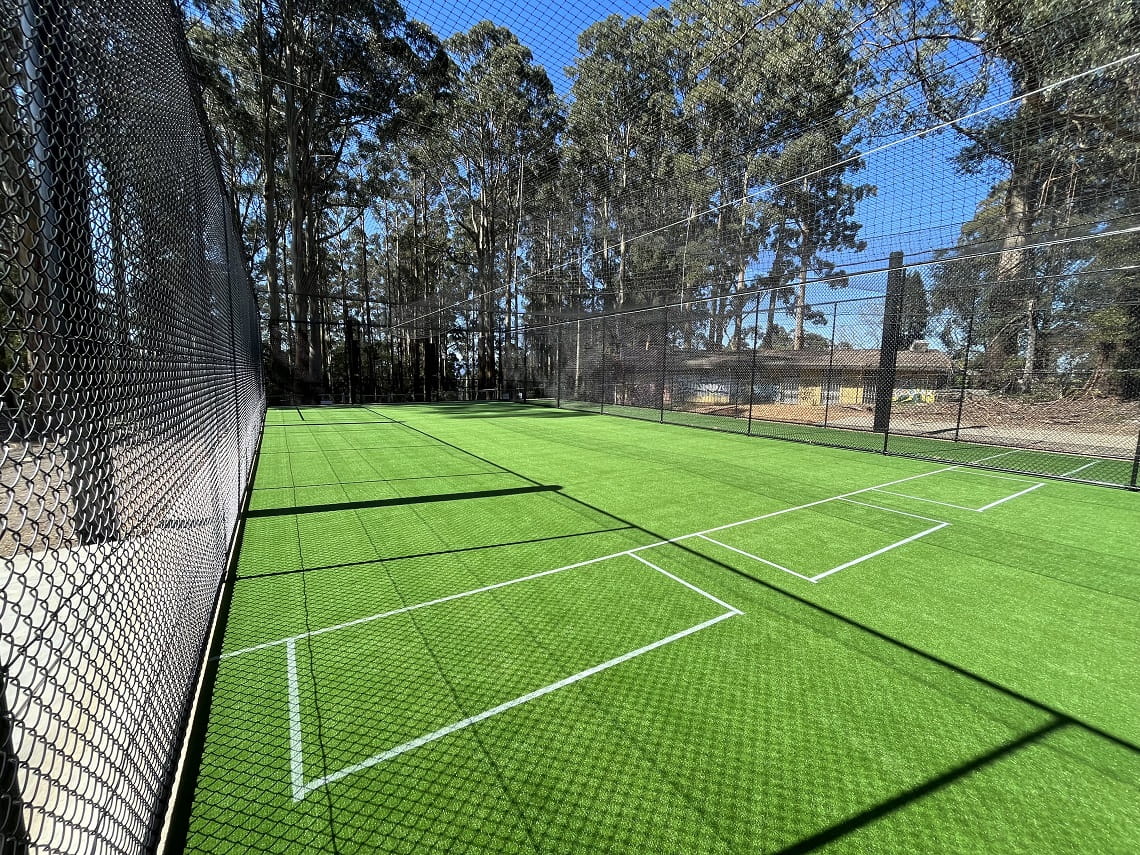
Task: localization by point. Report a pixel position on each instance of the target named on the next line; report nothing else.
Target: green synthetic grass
(972, 689)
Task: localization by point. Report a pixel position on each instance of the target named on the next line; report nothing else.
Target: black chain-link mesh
(862, 373)
(132, 405)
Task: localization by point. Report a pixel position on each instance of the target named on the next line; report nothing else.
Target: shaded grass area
(970, 690)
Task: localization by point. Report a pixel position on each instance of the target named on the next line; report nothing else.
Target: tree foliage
(707, 151)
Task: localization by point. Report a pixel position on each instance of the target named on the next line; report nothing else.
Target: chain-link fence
(132, 405)
(938, 359)
(941, 372)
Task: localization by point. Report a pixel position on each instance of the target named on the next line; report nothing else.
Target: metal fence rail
(132, 405)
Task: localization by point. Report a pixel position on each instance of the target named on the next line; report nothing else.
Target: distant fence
(863, 374)
(131, 409)
(938, 362)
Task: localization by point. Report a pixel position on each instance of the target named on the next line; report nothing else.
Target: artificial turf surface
(960, 678)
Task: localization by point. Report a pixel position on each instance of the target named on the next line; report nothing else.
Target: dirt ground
(1066, 415)
(1093, 415)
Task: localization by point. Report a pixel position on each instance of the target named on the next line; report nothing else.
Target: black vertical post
(13, 834)
(965, 367)
(524, 366)
(233, 344)
(558, 369)
(829, 378)
(602, 394)
(752, 374)
(1136, 462)
(664, 355)
(889, 346)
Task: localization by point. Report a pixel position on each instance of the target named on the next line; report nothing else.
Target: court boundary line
(891, 510)
(870, 555)
(757, 558)
(1080, 469)
(688, 585)
(447, 730)
(1018, 479)
(588, 561)
(939, 524)
(302, 788)
(928, 501)
(1014, 496)
(997, 456)
(982, 509)
(296, 743)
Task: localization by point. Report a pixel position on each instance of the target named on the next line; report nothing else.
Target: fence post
(752, 374)
(602, 393)
(558, 369)
(12, 829)
(965, 366)
(664, 355)
(830, 376)
(233, 351)
(524, 366)
(889, 346)
(1136, 462)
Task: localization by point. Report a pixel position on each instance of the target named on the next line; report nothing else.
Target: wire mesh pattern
(484, 628)
(864, 378)
(684, 176)
(132, 405)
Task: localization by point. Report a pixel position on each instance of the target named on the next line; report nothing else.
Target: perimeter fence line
(131, 411)
(938, 364)
(863, 376)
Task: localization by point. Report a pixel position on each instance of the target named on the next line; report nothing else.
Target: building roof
(848, 357)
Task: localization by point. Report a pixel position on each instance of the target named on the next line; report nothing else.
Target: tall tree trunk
(316, 305)
(269, 164)
(297, 244)
(801, 302)
(1013, 276)
(741, 279)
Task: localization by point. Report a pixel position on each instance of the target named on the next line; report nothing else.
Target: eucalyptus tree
(326, 76)
(235, 61)
(769, 97)
(498, 139)
(812, 197)
(1087, 294)
(1044, 95)
(624, 151)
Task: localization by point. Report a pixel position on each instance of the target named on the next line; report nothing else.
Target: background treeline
(408, 200)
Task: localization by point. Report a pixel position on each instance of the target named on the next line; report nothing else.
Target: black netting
(937, 371)
(132, 405)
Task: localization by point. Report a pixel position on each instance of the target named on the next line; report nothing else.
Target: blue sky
(922, 200)
(549, 29)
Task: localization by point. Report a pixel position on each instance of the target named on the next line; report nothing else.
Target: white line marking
(996, 456)
(979, 474)
(688, 585)
(758, 558)
(493, 711)
(1079, 469)
(1014, 496)
(930, 501)
(878, 552)
(401, 611)
(635, 549)
(892, 510)
(297, 768)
